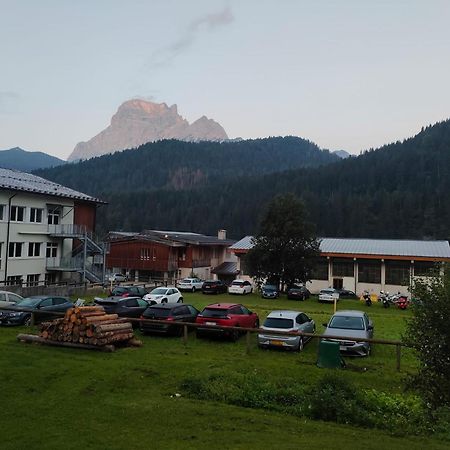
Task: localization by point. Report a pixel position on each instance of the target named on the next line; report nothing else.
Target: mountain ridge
(27, 161)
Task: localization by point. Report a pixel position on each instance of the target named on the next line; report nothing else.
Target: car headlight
(14, 314)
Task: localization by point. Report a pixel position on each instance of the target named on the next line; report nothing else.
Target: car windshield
(157, 312)
(347, 323)
(277, 322)
(159, 291)
(119, 290)
(327, 291)
(27, 302)
(214, 312)
(237, 283)
(186, 280)
(270, 287)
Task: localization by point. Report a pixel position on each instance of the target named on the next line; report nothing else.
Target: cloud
(8, 102)
(208, 22)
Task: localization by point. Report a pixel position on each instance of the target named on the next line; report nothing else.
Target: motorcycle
(385, 299)
(367, 298)
(402, 302)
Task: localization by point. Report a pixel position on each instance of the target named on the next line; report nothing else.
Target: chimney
(222, 235)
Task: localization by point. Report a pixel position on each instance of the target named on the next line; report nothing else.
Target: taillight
(142, 317)
(170, 319)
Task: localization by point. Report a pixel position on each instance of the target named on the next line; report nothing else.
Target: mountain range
(137, 122)
(27, 161)
(397, 191)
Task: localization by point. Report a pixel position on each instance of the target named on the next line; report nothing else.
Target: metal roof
(380, 247)
(15, 180)
(226, 268)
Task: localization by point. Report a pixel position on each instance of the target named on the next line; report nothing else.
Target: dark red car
(226, 315)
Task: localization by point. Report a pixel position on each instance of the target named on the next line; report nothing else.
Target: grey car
(351, 324)
(292, 321)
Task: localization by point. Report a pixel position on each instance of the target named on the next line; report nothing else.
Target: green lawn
(63, 398)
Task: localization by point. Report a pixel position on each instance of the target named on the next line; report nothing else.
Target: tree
(428, 333)
(285, 247)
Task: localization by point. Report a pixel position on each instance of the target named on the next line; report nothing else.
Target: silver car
(351, 324)
(293, 321)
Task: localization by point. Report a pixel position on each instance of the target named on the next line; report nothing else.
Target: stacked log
(88, 325)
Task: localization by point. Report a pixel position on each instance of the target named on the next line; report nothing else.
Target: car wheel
(300, 345)
(180, 300)
(193, 289)
(27, 321)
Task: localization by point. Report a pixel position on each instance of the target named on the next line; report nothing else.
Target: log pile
(88, 325)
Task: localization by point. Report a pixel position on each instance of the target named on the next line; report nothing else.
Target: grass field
(63, 398)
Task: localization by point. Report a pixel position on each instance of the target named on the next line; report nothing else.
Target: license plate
(210, 323)
(276, 342)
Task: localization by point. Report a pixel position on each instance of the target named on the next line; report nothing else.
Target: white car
(190, 284)
(164, 295)
(9, 298)
(241, 287)
(117, 277)
(328, 295)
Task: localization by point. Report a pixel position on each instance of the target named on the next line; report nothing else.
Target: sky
(346, 74)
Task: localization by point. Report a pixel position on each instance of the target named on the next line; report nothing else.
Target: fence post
(248, 341)
(399, 354)
(185, 334)
(32, 321)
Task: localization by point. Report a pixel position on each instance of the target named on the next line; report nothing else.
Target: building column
(330, 273)
(355, 273)
(383, 275)
(136, 275)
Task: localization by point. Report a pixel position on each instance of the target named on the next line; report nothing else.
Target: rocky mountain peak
(138, 121)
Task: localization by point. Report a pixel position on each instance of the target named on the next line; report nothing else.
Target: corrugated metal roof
(226, 268)
(187, 237)
(382, 247)
(387, 247)
(244, 244)
(20, 181)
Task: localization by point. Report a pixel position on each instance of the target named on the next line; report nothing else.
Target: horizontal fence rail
(247, 331)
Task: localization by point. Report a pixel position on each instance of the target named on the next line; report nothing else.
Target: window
(14, 279)
(46, 302)
(33, 280)
(131, 303)
(369, 271)
(397, 272)
(343, 268)
(320, 271)
(236, 310)
(51, 250)
(34, 249)
(50, 278)
(59, 300)
(36, 215)
(17, 213)
(425, 268)
(53, 216)
(2, 297)
(2, 212)
(145, 254)
(243, 265)
(15, 249)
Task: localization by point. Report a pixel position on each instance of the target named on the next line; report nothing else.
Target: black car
(129, 291)
(346, 293)
(166, 313)
(298, 293)
(269, 291)
(214, 287)
(44, 307)
(123, 306)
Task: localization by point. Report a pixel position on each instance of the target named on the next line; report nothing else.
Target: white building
(45, 230)
(366, 264)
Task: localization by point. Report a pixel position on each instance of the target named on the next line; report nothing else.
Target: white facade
(25, 242)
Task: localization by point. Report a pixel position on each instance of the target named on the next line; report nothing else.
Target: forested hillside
(398, 191)
(19, 159)
(172, 164)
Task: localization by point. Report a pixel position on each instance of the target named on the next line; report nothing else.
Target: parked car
(166, 313)
(346, 293)
(240, 287)
(328, 295)
(118, 277)
(297, 292)
(123, 306)
(128, 291)
(269, 291)
(351, 324)
(292, 321)
(190, 284)
(214, 287)
(164, 295)
(226, 315)
(9, 298)
(44, 308)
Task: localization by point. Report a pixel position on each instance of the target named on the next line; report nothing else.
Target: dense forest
(26, 161)
(172, 164)
(400, 190)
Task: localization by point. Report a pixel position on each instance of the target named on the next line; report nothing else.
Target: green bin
(329, 355)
